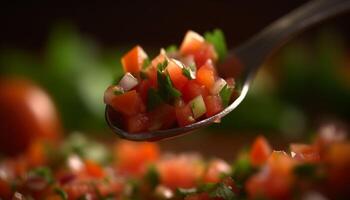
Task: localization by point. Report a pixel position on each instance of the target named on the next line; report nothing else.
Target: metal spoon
(250, 55)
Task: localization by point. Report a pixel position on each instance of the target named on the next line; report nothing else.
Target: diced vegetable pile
(78, 169)
(176, 88)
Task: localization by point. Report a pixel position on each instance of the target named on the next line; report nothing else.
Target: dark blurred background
(73, 50)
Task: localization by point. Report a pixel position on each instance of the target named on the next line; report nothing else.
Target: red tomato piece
(180, 171)
(260, 151)
(176, 75)
(162, 117)
(5, 190)
(128, 103)
(194, 44)
(304, 152)
(133, 157)
(133, 60)
(215, 170)
(184, 115)
(193, 89)
(213, 105)
(143, 88)
(94, 169)
(137, 123)
(206, 75)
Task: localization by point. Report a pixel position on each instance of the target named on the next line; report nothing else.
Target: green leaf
(223, 191)
(187, 72)
(226, 94)
(146, 63)
(161, 66)
(165, 87)
(61, 193)
(309, 171)
(153, 99)
(43, 172)
(171, 49)
(242, 169)
(217, 38)
(152, 176)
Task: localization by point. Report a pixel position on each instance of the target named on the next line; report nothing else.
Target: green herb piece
(193, 67)
(242, 169)
(165, 87)
(161, 66)
(217, 38)
(207, 187)
(43, 172)
(153, 99)
(223, 191)
(61, 193)
(171, 49)
(226, 94)
(187, 72)
(152, 176)
(146, 63)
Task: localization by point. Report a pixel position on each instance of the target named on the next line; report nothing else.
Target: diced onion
(218, 85)
(198, 106)
(128, 82)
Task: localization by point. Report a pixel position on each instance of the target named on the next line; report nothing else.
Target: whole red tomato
(26, 114)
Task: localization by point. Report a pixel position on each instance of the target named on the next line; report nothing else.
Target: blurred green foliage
(300, 84)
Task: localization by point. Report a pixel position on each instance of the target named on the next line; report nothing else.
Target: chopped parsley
(152, 176)
(171, 49)
(223, 191)
(146, 63)
(165, 87)
(161, 66)
(153, 99)
(217, 38)
(60, 192)
(188, 73)
(43, 172)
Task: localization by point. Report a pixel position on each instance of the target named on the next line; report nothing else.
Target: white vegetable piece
(218, 85)
(198, 106)
(128, 82)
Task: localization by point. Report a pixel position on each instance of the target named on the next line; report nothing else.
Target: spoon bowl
(247, 59)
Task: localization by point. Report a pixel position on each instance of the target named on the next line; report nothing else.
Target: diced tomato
(35, 154)
(215, 170)
(94, 169)
(194, 44)
(143, 88)
(162, 117)
(260, 151)
(184, 115)
(337, 158)
(193, 89)
(79, 189)
(128, 103)
(207, 52)
(137, 123)
(176, 75)
(279, 161)
(5, 190)
(304, 152)
(180, 171)
(206, 75)
(151, 73)
(213, 105)
(133, 157)
(133, 60)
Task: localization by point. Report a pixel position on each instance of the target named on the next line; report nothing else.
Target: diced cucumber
(198, 106)
(218, 85)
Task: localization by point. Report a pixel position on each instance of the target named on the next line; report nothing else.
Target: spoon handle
(255, 51)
